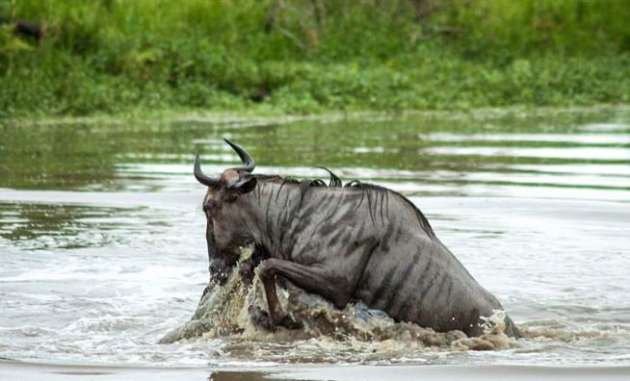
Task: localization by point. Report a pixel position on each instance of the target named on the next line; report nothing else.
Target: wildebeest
(352, 242)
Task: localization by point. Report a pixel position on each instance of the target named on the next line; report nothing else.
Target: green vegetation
(104, 56)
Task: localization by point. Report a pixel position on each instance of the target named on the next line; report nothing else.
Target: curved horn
(201, 177)
(247, 160)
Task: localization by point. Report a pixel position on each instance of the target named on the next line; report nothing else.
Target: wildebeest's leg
(335, 282)
(275, 313)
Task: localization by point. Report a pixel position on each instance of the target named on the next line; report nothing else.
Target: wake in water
(224, 313)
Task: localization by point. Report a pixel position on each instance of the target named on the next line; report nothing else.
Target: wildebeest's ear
(245, 185)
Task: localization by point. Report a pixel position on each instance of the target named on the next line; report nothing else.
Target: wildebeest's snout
(219, 270)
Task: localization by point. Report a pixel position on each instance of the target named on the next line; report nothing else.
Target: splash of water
(224, 313)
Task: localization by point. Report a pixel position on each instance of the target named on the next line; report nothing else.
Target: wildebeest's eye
(231, 197)
(209, 206)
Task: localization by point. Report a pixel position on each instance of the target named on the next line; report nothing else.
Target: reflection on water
(61, 226)
(102, 248)
(560, 139)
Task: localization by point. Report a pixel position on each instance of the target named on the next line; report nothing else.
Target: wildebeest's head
(228, 213)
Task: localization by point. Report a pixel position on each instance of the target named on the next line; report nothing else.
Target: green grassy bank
(110, 56)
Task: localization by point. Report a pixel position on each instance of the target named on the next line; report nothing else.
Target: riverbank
(422, 83)
(303, 58)
(254, 116)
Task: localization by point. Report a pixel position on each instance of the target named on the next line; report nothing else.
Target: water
(103, 252)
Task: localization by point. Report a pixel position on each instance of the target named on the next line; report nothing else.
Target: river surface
(102, 248)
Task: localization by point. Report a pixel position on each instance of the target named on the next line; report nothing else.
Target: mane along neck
(335, 182)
